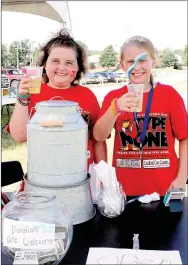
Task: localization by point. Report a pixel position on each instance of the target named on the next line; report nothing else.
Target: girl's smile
(142, 72)
(60, 66)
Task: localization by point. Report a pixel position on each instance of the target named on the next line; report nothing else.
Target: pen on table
(132, 200)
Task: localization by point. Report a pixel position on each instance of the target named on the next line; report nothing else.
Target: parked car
(121, 77)
(14, 76)
(89, 78)
(4, 85)
(4, 81)
(108, 75)
(116, 77)
(102, 79)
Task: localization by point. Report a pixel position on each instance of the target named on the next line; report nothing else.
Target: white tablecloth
(6, 100)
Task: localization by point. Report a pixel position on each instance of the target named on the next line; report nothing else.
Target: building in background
(93, 62)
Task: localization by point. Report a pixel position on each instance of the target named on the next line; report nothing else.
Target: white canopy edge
(56, 10)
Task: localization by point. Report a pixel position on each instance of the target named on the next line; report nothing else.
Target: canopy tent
(56, 10)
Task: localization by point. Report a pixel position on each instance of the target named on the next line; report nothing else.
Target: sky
(100, 23)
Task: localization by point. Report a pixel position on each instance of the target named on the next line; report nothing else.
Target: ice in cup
(137, 89)
(35, 73)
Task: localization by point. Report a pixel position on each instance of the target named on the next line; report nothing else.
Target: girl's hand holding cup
(137, 90)
(23, 96)
(25, 85)
(128, 102)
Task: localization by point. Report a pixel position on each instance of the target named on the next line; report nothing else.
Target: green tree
(185, 55)
(35, 54)
(20, 51)
(25, 47)
(169, 58)
(108, 57)
(85, 47)
(4, 55)
(159, 59)
(158, 54)
(13, 53)
(179, 52)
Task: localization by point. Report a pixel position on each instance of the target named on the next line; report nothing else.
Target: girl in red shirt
(64, 62)
(144, 155)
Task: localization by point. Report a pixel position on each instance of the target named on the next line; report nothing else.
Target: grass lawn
(10, 149)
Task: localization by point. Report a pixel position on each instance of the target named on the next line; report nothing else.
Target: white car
(5, 84)
(4, 81)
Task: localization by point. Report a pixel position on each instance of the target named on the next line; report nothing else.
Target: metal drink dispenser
(57, 138)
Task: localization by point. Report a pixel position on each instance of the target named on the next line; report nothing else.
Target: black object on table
(158, 229)
(11, 172)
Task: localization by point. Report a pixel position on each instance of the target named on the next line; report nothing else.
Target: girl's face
(61, 66)
(141, 73)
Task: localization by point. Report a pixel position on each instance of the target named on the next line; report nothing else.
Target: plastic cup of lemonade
(137, 89)
(35, 73)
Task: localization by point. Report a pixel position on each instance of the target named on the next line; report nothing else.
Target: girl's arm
(19, 119)
(105, 124)
(181, 178)
(100, 151)
(18, 122)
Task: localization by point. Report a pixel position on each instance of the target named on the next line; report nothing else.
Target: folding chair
(11, 172)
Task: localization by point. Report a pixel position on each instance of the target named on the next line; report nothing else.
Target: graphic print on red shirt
(155, 142)
(158, 165)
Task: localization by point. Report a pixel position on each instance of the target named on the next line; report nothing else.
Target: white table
(6, 100)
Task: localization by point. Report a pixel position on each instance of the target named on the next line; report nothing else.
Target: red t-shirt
(159, 164)
(83, 95)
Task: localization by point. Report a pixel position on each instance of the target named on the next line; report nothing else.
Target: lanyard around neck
(142, 134)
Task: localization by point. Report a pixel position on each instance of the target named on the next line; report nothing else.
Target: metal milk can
(57, 139)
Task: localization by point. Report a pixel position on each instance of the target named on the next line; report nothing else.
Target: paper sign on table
(25, 257)
(132, 256)
(28, 235)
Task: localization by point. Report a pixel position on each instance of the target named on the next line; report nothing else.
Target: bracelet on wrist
(113, 105)
(23, 102)
(117, 107)
(23, 96)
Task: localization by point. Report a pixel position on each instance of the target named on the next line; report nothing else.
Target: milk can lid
(57, 103)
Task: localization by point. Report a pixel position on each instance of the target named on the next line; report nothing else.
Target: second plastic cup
(137, 89)
(35, 73)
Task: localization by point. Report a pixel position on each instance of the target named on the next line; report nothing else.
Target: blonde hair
(140, 42)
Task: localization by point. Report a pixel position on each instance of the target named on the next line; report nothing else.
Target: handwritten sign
(25, 257)
(28, 235)
(132, 256)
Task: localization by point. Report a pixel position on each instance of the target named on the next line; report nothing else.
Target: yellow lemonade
(36, 85)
